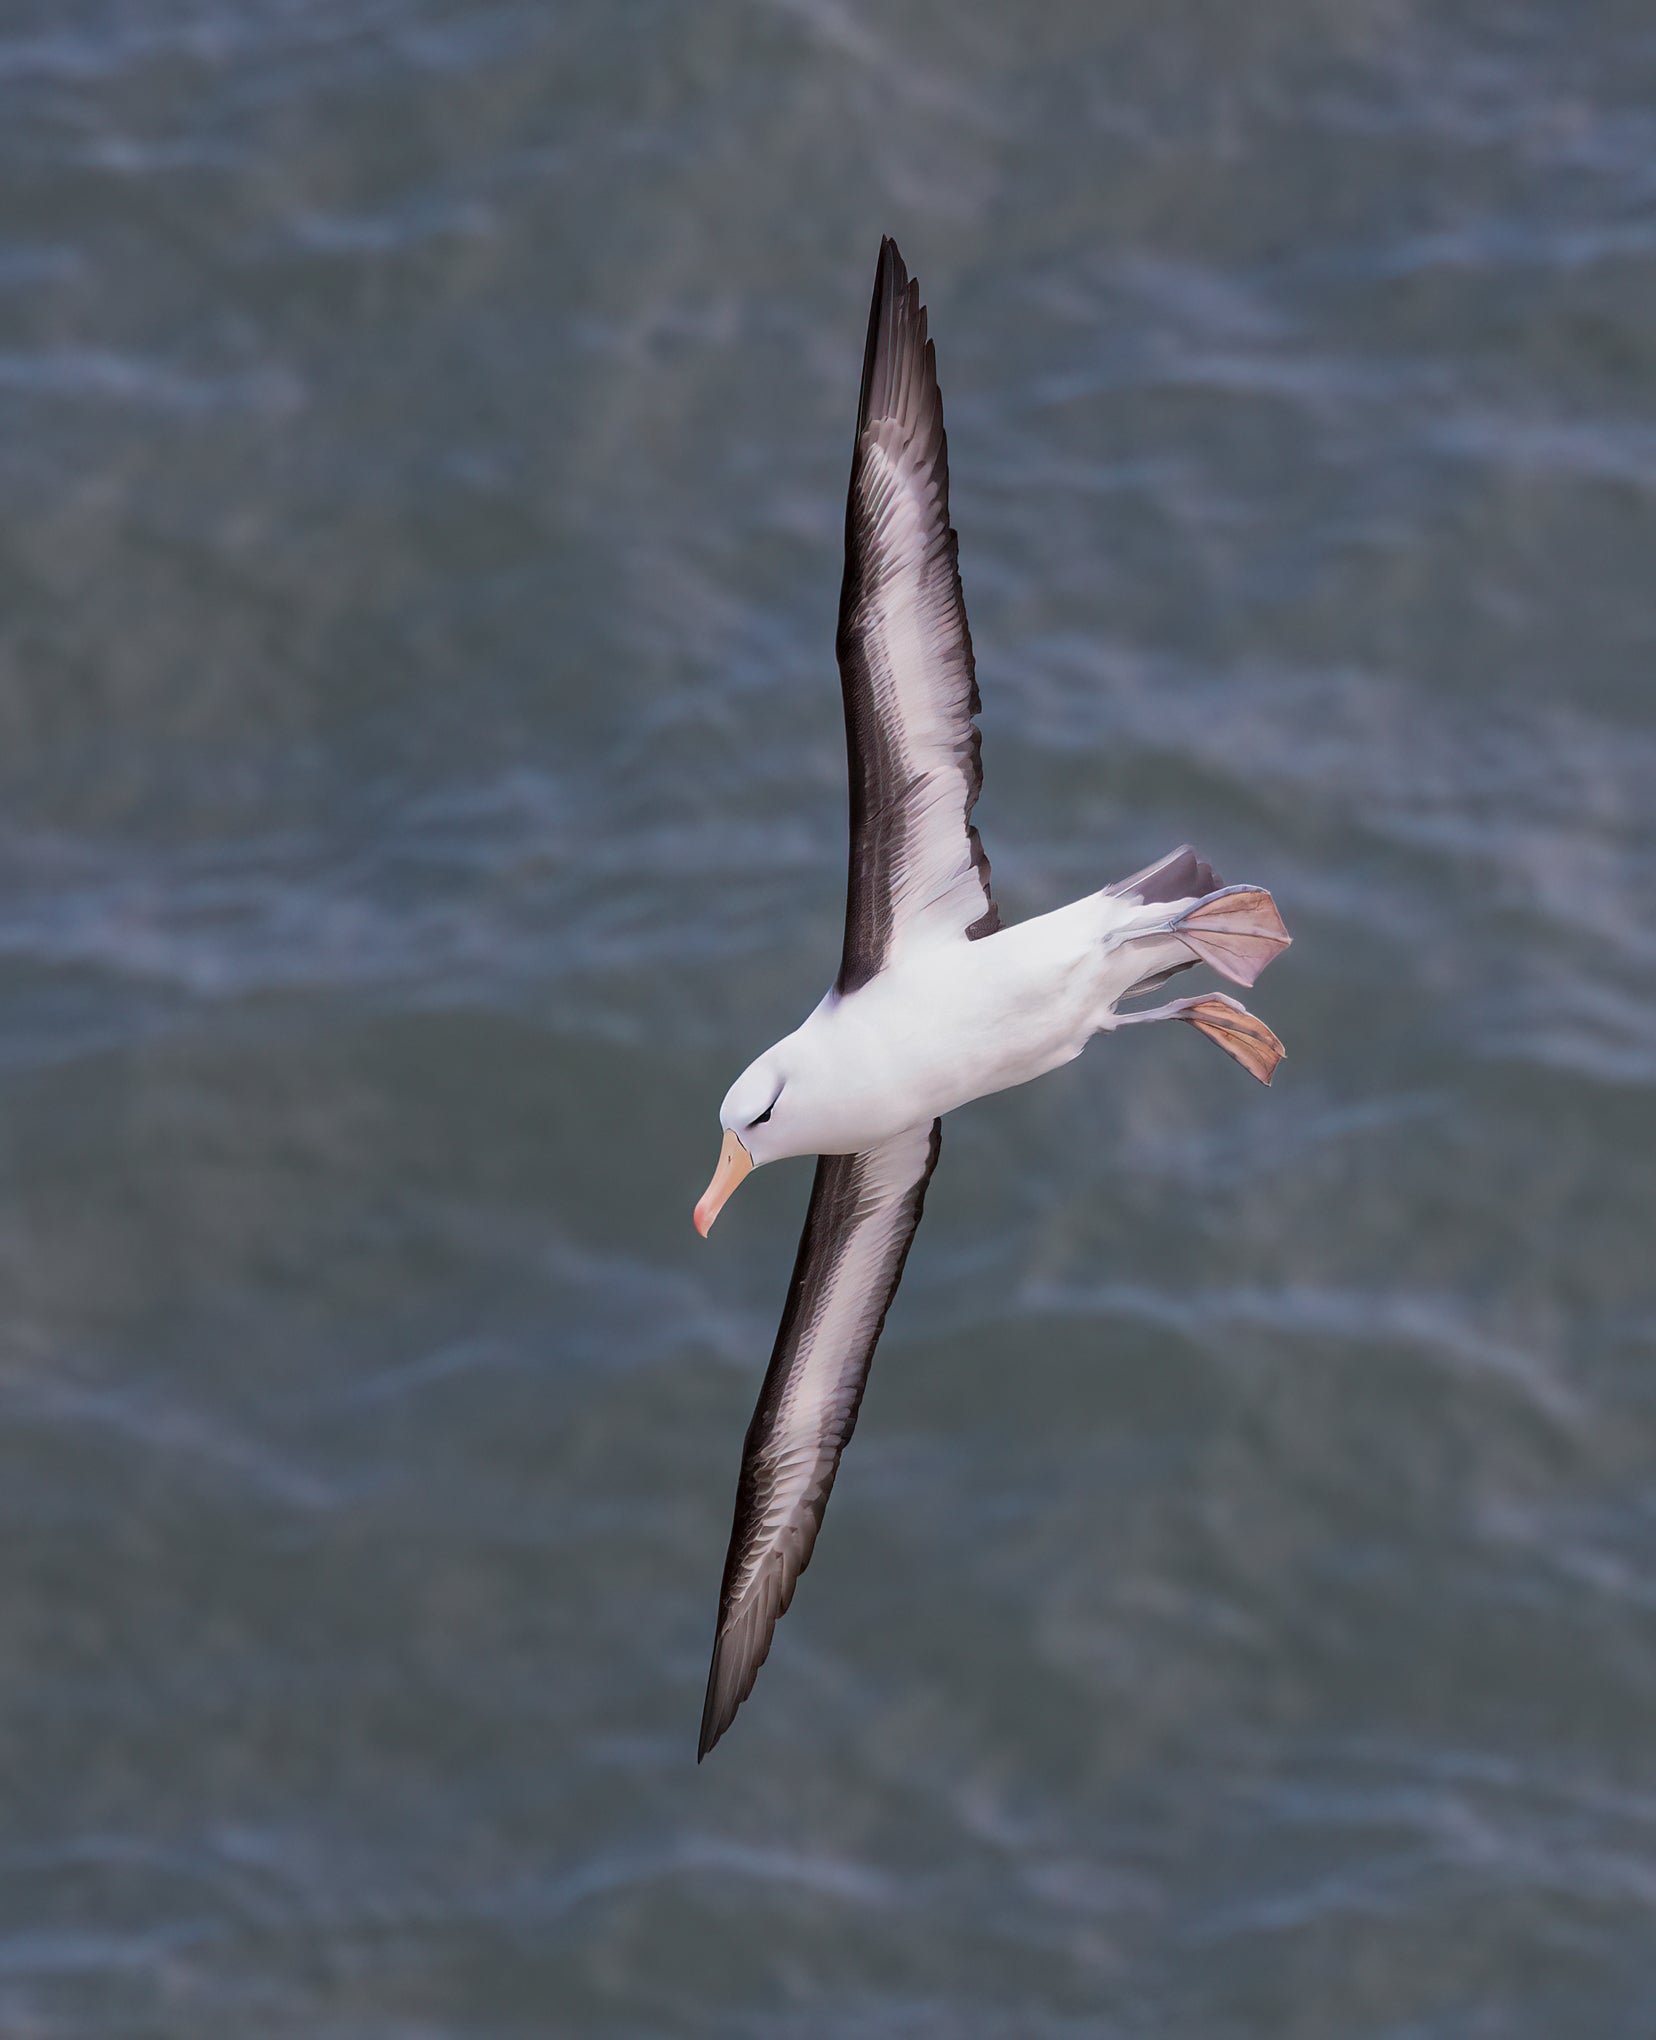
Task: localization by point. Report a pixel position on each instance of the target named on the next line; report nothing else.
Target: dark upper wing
(905, 656)
(864, 1209)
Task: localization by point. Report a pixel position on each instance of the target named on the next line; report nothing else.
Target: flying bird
(936, 1003)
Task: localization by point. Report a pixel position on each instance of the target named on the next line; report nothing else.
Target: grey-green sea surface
(423, 438)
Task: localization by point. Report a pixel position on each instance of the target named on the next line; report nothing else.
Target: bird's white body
(955, 1020)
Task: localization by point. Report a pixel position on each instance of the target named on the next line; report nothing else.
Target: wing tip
(733, 1672)
(717, 1710)
(710, 1734)
(899, 360)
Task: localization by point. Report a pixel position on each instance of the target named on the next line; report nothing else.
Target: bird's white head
(754, 1118)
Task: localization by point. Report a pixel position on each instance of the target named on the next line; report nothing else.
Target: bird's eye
(769, 1109)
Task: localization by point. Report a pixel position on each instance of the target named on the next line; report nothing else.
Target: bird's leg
(1237, 930)
(1243, 1037)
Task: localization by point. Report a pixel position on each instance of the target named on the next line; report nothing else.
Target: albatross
(936, 1002)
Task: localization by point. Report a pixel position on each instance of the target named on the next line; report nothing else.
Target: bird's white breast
(956, 1021)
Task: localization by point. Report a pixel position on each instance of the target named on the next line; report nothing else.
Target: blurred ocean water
(423, 440)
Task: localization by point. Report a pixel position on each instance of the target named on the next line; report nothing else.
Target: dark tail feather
(1180, 875)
